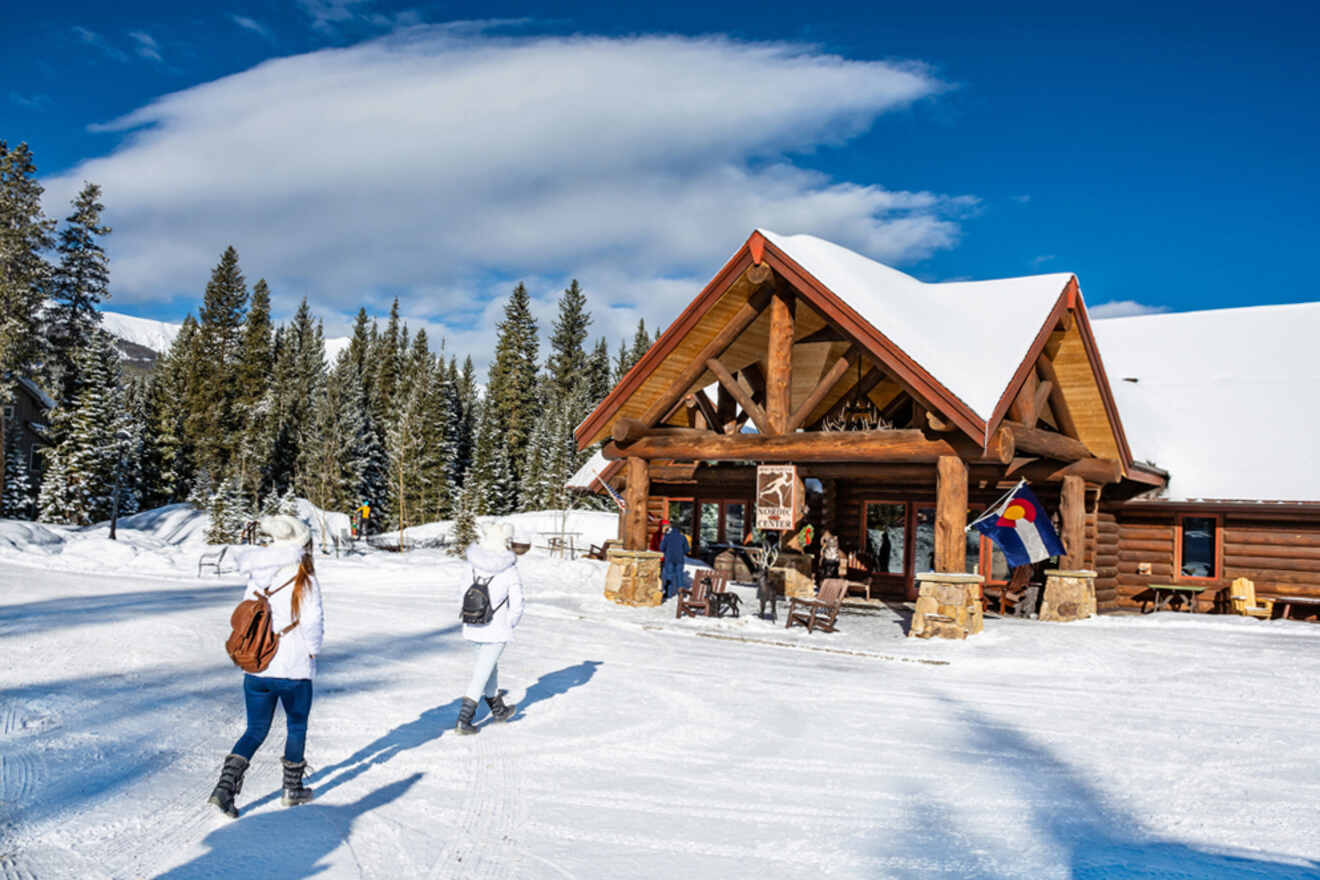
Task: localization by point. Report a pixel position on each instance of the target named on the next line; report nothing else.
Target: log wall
(1282, 556)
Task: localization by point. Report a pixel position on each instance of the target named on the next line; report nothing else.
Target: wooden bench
(695, 599)
(1289, 601)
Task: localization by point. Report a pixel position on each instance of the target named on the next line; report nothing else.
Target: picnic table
(561, 542)
(1289, 601)
(1164, 594)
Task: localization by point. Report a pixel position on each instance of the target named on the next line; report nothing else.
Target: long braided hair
(300, 581)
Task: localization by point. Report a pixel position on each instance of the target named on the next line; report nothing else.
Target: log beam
(822, 388)
(1062, 415)
(707, 410)
(745, 315)
(636, 492)
(1072, 517)
(1021, 409)
(726, 409)
(779, 363)
(842, 446)
(1035, 441)
(626, 430)
(1041, 400)
(740, 394)
(950, 514)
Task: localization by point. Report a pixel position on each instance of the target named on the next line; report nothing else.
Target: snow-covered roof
(36, 392)
(1223, 400)
(970, 335)
(586, 475)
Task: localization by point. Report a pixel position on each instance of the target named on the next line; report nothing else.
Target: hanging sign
(778, 496)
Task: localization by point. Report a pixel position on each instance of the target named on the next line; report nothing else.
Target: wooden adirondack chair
(696, 598)
(1243, 596)
(721, 600)
(818, 613)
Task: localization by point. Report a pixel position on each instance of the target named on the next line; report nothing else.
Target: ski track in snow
(1137, 747)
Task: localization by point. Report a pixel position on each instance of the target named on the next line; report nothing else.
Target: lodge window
(886, 536)
(1198, 547)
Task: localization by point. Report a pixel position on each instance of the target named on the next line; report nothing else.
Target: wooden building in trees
(23, 419)
(909, 407)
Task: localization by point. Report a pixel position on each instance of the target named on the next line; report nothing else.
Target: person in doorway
(493, 564)
(654, 544)
(285, 573)
(674, 546)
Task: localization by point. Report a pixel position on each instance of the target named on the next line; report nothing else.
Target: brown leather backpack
(253, 642)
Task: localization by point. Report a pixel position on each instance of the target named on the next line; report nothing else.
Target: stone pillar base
(1069, 595)
(634, 577)
(948, 606)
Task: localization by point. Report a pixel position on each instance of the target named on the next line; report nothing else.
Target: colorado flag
(1021, 528)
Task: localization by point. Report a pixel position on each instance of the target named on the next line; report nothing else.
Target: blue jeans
(261, 694)
(485, 672)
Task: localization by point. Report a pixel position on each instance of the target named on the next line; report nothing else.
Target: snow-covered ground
(1166, 746)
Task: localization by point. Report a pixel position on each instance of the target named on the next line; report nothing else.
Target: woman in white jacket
(285, 572)
(491, 559)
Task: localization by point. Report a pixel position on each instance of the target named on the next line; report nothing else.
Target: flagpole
(997, 506)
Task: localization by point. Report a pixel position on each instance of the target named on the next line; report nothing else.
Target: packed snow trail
(1168, 746)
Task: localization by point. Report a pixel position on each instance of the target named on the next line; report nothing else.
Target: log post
(1072, 516)
(779, 363)
(636, 492)
(950, 514)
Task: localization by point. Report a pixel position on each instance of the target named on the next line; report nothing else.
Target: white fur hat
(286, 530)
(496, 537)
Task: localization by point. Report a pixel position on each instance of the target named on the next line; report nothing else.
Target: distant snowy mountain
(155, 335)
(143, 339)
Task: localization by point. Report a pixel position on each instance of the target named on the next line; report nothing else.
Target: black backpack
(476, 602)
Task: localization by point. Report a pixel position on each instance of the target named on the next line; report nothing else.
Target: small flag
(1021, 528)
(615, 495)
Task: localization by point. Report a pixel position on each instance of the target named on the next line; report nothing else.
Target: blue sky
(1164, 154)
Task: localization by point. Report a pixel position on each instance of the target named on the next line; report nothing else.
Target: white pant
(485, 674)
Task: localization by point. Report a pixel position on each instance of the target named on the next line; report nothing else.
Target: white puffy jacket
(505, 583)
(267, 568)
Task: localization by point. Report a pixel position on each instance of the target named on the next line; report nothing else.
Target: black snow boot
(465, 714)
(230, 784)
(295, 793)
(499, 710)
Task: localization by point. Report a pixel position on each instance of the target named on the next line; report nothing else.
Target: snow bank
(29, 537)
(587, 527)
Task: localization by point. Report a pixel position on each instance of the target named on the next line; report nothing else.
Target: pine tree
(203, 488)
(511, 402)
(465, 384)
(214, 420)
(229, 513)
(17, 499)
(465, 519)
(599, 381)
(170, 445)
(256, 360)
(641, 342)
(622, 362)
(25, 235)
(568, 359)
(86, 459)
(79, 283)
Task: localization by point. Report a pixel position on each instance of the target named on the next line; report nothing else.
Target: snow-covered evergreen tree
(213, 420)
(79, 484)
(25, 237)
(598, 373)
(203, 488)
(229, 512)
(17, 498)
(511, 394)
(80, 281)
(170, 445)
(465, 518)
(567, 364)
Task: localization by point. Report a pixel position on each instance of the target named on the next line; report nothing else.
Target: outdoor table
(1165, 593)
(1289, 601)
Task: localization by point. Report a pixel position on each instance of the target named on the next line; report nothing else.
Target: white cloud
(251, 24)
(92, 38)
(1123, 308)
(147, 46)
(443, 164)
(1043, 259)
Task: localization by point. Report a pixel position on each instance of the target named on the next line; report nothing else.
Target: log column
(1072, 516)
(779, 363)
(951, 515)
(636, 493)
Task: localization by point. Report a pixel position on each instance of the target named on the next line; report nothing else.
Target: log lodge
(908, 408)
